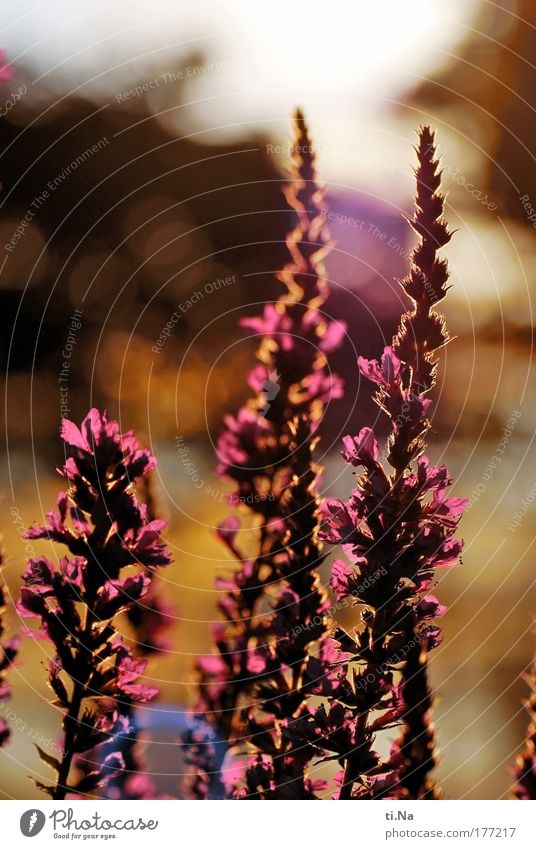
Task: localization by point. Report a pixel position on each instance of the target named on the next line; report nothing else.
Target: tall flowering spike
(295, 663)
(396, 529)
(422, 330)
(291, 379)
(150, 618)
(153, 617)
(417, 744)
(525, 769)
(8, 653)
(93, 674)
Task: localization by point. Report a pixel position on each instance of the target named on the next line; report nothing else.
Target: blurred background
(143, 153)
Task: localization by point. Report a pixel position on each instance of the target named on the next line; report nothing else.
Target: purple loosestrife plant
(291, 380)
(396, 529)
(415, 750)
(153, 617)
(8, 653)
(93, 674)
(297, 663)
(291, 377)
(149, 618)
(525, 769)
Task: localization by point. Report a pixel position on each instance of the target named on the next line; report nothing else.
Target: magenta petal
(114, 761)
(256, 662)
(212, 664)
(430, 608)
(390, 366)
(333, 336)
(370, 369)
(342, 579)
(228, 529)
(72, 435)
(361, 449)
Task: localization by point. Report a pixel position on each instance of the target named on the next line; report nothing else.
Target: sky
(246, 63)
(243, 66)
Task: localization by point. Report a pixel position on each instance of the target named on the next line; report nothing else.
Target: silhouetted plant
(297, 663)
(150, 618)
(8, 653)
(292, 383)
(415, 750)
(396, 529)
(93, 674)
(285, 688)
(525, 769)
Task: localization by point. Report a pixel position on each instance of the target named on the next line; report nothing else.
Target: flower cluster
(292, 384)
(296, 662)
(396, 529)
(291, 378)
(201, 747)
(150, 619)
(94, 675)
(285, 687)
(8, 653)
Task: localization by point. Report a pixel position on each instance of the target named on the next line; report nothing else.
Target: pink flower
(105, 529)
(228, 529)
(343, 579)
(430, 608)
(274, 603)
(333, 336)
(386, 373)
(361, 450)
(396, 529)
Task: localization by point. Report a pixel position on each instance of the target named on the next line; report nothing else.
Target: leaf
(59, 688)
(45, 788)
(89, 782)
(48, 759)
(56, 703)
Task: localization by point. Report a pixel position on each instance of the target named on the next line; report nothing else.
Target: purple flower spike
(275, 612)
(8, 654)
(105, 529)
(396, 529)
(525, 769)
